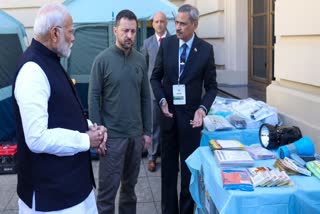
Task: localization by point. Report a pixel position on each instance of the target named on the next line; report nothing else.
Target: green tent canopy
(93, 24)
(12, 44)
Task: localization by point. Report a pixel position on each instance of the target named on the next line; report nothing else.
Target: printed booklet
(225, 144)
(260, 153)
(233, 158)
(236, 179)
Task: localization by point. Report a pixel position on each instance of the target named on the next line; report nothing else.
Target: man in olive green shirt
(119, 98)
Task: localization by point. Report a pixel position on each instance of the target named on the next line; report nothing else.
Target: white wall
(236, 43)
(224, 24)
(24, 11)
(296, 91)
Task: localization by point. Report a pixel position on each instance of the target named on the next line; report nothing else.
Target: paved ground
(147, 189)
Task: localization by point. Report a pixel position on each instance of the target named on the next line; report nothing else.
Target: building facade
(296, 89)
(272, 45)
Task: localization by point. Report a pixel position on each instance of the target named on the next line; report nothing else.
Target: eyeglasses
(69, 31)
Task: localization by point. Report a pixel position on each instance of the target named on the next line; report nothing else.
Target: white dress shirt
(158, 37)
(32, 93)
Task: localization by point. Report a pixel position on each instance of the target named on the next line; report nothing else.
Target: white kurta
(32, 93)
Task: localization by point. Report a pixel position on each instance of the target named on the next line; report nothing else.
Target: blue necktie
(183, 57)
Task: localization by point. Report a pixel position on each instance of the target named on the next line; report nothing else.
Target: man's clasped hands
(98, 138)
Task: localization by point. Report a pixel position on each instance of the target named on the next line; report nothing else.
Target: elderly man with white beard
(54, 138)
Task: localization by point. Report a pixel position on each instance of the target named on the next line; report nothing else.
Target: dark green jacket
(119, 94)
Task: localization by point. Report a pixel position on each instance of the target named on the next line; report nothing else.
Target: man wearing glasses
(54, 138)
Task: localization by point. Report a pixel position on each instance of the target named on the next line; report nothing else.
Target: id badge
(179, 94)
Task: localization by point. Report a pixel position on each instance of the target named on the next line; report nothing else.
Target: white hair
(193, 11)
(49, 16)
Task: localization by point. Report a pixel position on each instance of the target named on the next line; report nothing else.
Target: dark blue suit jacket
(199, 71)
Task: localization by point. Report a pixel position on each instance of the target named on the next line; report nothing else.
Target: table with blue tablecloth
(303, 197)
(245, 136)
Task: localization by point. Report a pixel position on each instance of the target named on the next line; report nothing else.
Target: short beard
(124, 46)
(63, 49)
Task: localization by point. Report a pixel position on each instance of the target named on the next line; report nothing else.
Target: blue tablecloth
(303, 197)
(245, 136)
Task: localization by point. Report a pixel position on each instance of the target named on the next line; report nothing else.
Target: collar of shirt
(158, 37)
(120, 51)
(163, 36)
(189, 43)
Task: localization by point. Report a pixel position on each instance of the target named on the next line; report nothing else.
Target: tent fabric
(8, 24)
(98, 11)
(12, 44)
(86, 47)
(10, 51)
(90, 41)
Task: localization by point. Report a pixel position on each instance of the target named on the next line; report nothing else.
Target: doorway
(261, 43)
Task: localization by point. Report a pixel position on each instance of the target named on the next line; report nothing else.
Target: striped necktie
(183, 57)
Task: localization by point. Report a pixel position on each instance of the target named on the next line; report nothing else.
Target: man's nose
(130, 35)
(72, 37)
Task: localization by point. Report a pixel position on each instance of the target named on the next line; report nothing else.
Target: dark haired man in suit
(183, 66)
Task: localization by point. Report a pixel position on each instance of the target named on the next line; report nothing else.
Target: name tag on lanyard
(179, 94)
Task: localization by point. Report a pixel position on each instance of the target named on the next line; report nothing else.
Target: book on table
(266, 177)
(233, 158)
(225, 144)
(236, 179)
(314, 167)
(260, 153)
(291, 167)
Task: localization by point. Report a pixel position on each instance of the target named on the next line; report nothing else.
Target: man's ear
(54, 34)
(195, 23)
(115, 29)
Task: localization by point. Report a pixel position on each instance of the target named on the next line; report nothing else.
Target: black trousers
(178, 138)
